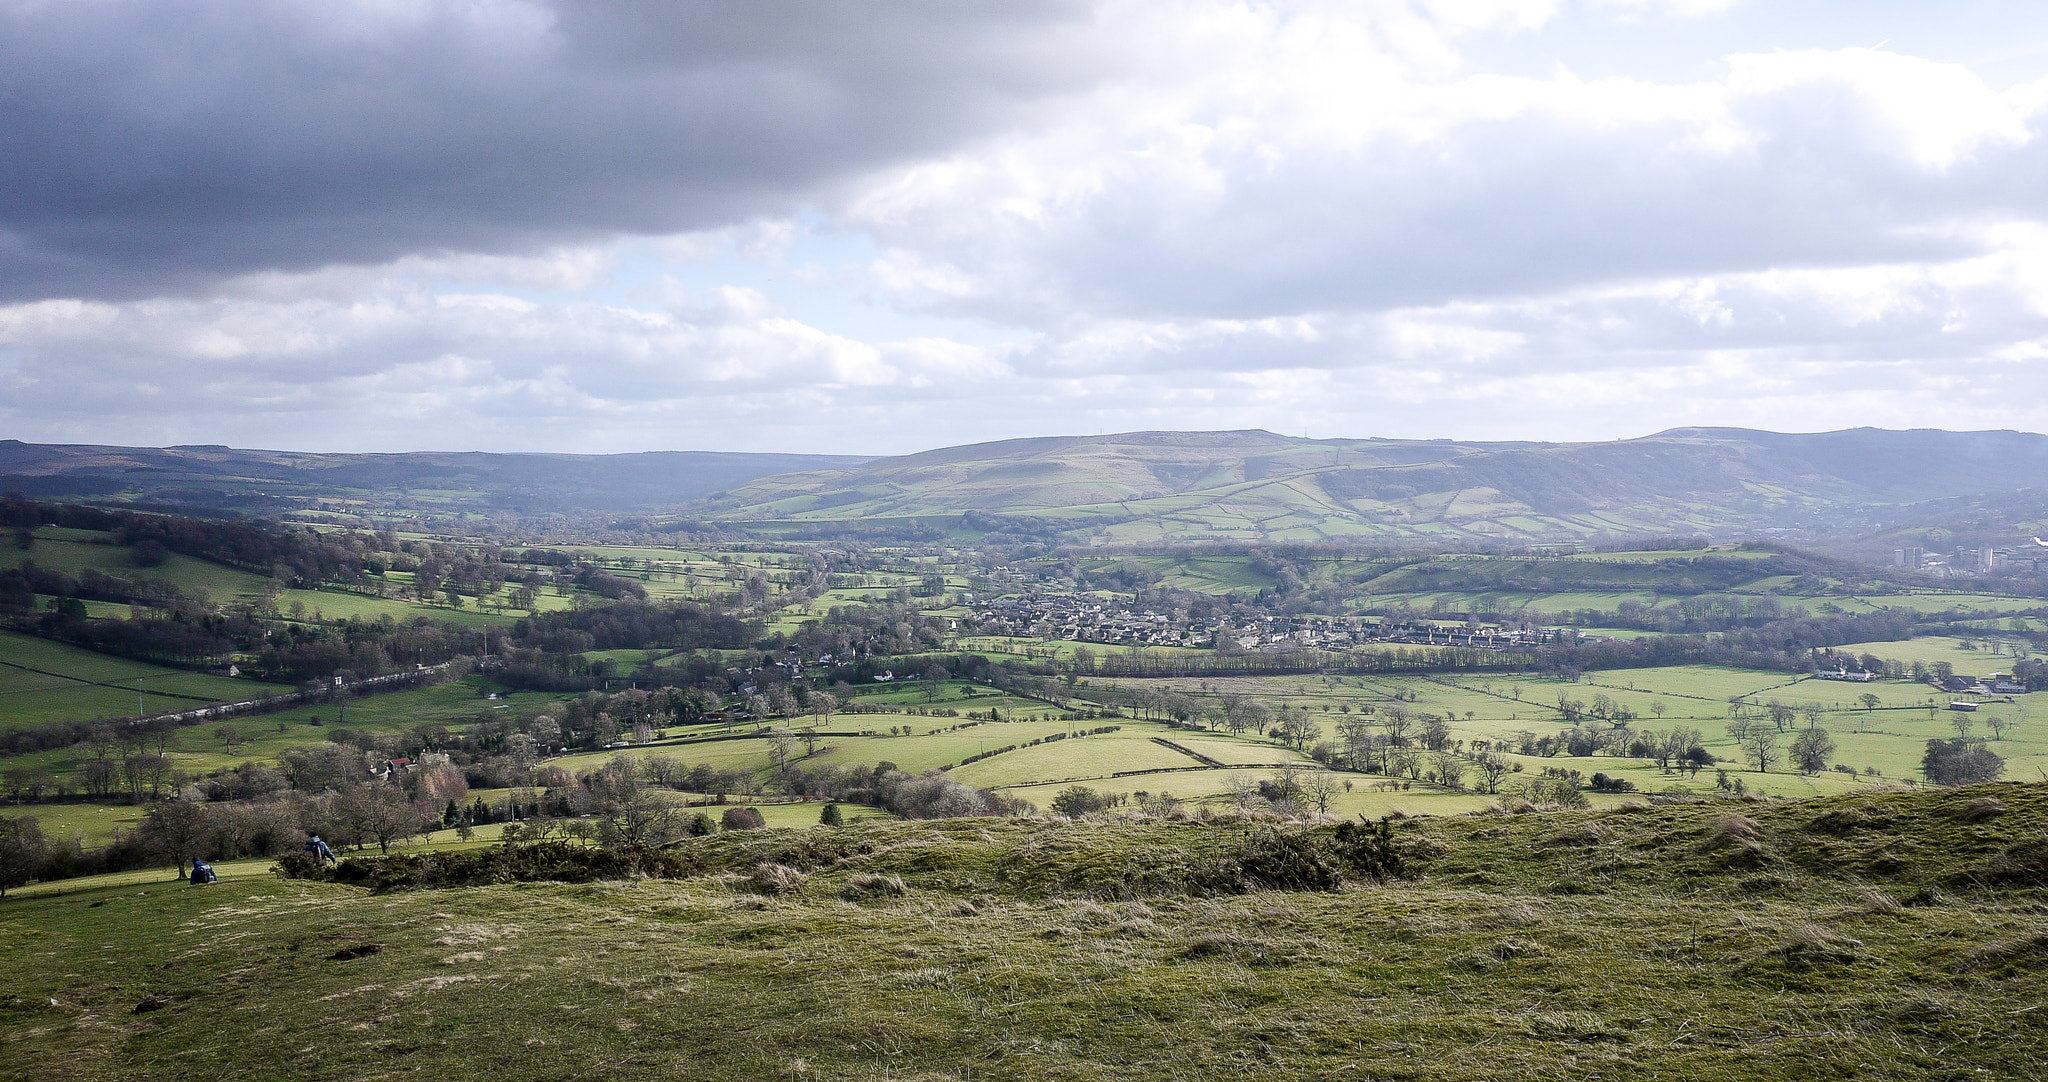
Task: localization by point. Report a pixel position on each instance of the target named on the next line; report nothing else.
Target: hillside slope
(230, 478)
(1257, 485)
(1880, 935)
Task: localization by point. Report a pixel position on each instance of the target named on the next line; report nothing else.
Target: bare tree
(22, 851)
(1492, 768)
(780, 742)
(1436, 732)
(1811, 749)
(1320, 788)
(1396, 720)
(1447, 770)
(174, 830)
(380, 813)
(1761, 745)
(630, 813)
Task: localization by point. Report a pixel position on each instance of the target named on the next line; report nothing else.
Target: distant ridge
(441, 481)
(1147, 487)
(1154, 486)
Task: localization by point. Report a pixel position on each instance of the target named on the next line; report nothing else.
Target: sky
(876, 228)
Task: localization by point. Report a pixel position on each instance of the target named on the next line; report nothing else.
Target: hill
(270, 481)
(1152, 486)
(1866, 490)
(1885, 935)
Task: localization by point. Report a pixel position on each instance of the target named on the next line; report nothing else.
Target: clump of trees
(1961, 761)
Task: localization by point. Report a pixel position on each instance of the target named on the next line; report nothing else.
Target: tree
(1078, 800)
(1781, 714)
(1436, 732)
(1869, 700)
(1492, 768)
(1356, 733)
(1761, 745)
(1320, 788)
(1811, 750)
(174, 830)
(380, 813)
(23, 851)
(630, 813)
(1960, 761)
(831, 816)
(1999, 723)
(1395, 720)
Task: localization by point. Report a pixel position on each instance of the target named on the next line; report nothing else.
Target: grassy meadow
(1878, 935)
(44, 681)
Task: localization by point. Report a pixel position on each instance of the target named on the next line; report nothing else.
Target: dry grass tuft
(772, 879)
(1984, 807)
(865, 887)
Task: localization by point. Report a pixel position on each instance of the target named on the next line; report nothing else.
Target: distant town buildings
(1090, 618)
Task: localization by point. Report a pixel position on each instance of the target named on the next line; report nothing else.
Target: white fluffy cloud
(453, 225)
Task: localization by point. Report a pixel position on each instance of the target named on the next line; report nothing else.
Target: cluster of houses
(1091, 618)
(1973, 561)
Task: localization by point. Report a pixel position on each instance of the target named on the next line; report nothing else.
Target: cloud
(1304, 198)
(521, 224)
(479, 369)
(159, 147)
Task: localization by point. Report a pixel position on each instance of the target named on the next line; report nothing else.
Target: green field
(72, 684)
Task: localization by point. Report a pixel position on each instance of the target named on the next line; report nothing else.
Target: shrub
(742, 819)
(1604, 784)
(1367, 848)
(1078, 800)
(1271, 860)
(831, 816)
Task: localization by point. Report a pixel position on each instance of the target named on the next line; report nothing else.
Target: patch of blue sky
(1687, 40)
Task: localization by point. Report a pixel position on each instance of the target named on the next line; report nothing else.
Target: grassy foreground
(1876, 935)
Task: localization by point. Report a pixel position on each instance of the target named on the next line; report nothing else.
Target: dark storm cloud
(152, 145)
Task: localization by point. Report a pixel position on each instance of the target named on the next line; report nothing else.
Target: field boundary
(1184, 750)
(104, 684)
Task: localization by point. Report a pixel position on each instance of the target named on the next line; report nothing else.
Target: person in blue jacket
(202, 872)
(319, 850)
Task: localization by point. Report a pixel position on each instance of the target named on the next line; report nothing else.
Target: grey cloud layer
(151, 146)
(1178, 213)
(1509, 187)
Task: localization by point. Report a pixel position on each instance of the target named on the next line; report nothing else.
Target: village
(1092, 618)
